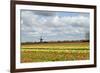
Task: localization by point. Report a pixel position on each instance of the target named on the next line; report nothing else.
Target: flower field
(63, 51)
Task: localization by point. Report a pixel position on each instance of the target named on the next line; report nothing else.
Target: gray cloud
(44, 13)
(35, 23)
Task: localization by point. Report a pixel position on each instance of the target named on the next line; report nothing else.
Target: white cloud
(37, 24)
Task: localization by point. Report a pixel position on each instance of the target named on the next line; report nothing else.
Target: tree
(87, 35)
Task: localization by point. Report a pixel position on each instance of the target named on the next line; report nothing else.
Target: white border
(52, 64)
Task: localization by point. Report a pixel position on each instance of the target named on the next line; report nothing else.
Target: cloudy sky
(53, 25)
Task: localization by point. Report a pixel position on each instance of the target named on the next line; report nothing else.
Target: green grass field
(44, 52)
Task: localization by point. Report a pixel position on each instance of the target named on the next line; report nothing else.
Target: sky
(53, 25)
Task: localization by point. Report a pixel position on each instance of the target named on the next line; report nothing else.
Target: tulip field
(56, 51)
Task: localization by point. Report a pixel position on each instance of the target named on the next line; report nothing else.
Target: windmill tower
(41, 39)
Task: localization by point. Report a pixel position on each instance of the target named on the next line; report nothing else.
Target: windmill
(41, 39)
